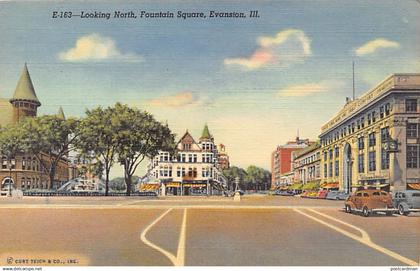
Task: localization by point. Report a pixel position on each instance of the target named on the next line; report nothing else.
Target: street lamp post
(9, 165)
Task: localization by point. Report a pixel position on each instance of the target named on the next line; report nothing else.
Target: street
(258, 230)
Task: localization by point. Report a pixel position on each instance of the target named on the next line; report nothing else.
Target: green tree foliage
(49, 139)
(257, 177)
(251, 178)
(139, 137)
(11, 141)
(98, 140)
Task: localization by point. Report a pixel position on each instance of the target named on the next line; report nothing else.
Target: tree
(232, 173)
(257, 177)
(98, 140)
(11, 144)
(49, 139)
(139, 136)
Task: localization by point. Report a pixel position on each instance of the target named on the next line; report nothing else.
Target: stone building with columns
(373, 141)
(24, 171)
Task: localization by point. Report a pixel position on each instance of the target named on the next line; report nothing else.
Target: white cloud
(95, 47)
(182, 99)
(286, 47)
(372, 46)
(309, 89)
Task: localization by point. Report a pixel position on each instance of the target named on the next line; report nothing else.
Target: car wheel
(366, 211)
(389, 213)
(401, 210)
(337, 198)
(348, 209)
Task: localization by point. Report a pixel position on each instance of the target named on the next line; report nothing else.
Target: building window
(387, 109)
(361, 163)
(330, 154)
(23, 163)
(372, 139)
(411, 105)
(361, 142)
(337, 152)
(362, 122)
(195, 158)
(372, 161)
(330, 170)
(336, 169)
(384, 159)
(412, 130)
(369, 119)
(325, 170)
(381, 112)
(412, 156)
(384, 134)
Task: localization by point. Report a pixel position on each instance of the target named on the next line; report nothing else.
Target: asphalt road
(261, 230)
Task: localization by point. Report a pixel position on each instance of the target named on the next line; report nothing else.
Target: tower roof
(206, 133)
(60, 113)
(25, 89)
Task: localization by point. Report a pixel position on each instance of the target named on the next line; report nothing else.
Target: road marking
(179, 260)
(364, 240)
(182, 240)
(169, 255)
(364, 234)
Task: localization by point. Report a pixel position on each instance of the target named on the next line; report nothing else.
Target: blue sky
(254, 81)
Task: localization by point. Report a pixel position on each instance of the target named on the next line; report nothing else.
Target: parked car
(322, 194)
(304, 194)
(337, 195)
(407, 201)
(312, 194)
(369, 201)
(285, 193)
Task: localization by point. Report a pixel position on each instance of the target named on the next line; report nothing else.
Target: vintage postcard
(210, 133)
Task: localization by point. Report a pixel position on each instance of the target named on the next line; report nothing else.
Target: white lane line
(169, 255)
(364, 234)
(182, 240)
(365, 241)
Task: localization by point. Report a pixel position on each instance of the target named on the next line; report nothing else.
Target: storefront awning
(330, 185)
(149, 187)
(173, 184)
(195, 185)
(414, 186)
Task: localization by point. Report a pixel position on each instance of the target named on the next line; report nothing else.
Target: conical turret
(25, 89)
(24, 101)
(205, 135)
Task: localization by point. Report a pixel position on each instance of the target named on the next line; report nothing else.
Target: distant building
(24, 171)
(281, 159)
(307, 164)
(373, 141)
(223, 157)
(192, 171)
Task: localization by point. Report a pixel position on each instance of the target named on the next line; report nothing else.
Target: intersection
(259, 230)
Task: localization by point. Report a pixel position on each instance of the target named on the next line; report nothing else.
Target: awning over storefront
(414, 186)
(330, 185)
(194, 185)
(149, 186)
(173, 184)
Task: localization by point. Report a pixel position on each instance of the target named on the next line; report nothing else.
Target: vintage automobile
(407, 201)
(322, 194)
(369, 202)
(337, 195)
